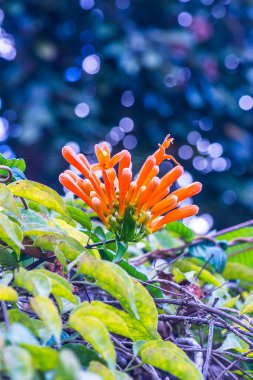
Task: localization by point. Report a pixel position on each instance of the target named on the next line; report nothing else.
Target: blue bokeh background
(129, 72)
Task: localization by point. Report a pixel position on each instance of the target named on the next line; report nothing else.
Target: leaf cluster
(76, 303)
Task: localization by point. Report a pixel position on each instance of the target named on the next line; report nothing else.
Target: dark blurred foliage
(130, 72)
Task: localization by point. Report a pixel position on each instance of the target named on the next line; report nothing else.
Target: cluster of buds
(131, 209)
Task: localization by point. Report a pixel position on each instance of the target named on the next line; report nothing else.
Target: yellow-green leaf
(8, 294)
(135, 327)
(231, 302)
(7, 201)
(95, 333)
(60, 286)
(113, 322)
(35, 282)
(75, 234)
(204, 274)
(247, 307)
(70, 247)
(146, 309)
(236, 271)
(105, 373)
(101, 370)
(17, 316)
(111, 278)
(39, 193)
(68, 367)
(80, 216)
(11, 233)
(233, 342)
(44, 358)
(48, 313)
(168, 357)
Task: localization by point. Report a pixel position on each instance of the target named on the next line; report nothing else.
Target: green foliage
(49, 319)
(11, 163)
(247, 307)
(170, 358)
(241, 252)
(39, 193)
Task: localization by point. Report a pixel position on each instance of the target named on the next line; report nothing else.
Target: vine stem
(233, 228)
(94, 245)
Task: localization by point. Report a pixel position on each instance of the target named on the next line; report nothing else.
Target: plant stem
(94, 245)
(233, 228)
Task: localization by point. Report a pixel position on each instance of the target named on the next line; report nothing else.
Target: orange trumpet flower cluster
(130, 209)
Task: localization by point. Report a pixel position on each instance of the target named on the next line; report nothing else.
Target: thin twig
(24, 203)
(209, 350)
(234, 365)
(233, 228)
(204, 266)
(217, 361)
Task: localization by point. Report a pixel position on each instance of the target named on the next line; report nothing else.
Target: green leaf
(236, 271)
(13, 162)
(18, 363)
(241, 253)
(135, 327)
(60, 287)
(180, 230)
(168, 357)
(17, 316)
(113, 322)
(8, 258)
(99, 232)
(70, 247)
(247, 307)
(230, 303)
(80, 217)
(233, 342)
(11, 234)
(146, 309)
(35, 282)
(8, 294)
(128, 227)
(7, 201)
(68, 366)
(101, 370)
(48, 313)
(211, 253)
(75, 234)
(39, 193)
(95, 333)
(84, 354)
(111, 278)
(18, 334)
(33, 223)
(44, 358)
(121, 248)
(185, 265)
(164, 240)
(105, 373)
(108, 255)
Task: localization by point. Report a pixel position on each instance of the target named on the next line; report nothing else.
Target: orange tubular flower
(130, 209)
